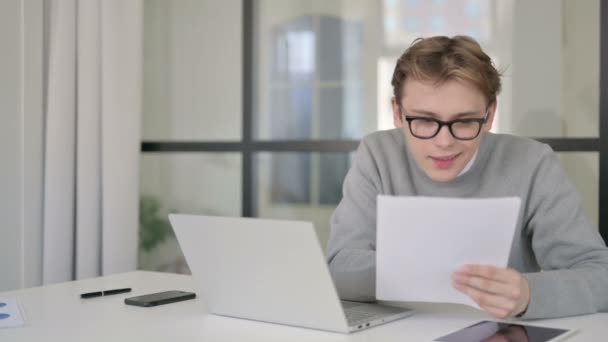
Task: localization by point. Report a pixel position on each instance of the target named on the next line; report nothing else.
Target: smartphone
(160, 298)
(501, 331)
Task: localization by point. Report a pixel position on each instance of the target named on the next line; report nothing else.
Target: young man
(443, 106)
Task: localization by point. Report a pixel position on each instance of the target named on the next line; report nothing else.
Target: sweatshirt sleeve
(570, 251)
(351, 250)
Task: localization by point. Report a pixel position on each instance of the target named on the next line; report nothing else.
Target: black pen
(104, 293)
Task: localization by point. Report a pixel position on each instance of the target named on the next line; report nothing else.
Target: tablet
(487, 331)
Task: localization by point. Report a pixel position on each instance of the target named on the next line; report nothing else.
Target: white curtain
(92, 105)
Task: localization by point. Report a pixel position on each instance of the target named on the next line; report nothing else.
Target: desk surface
(56, 313)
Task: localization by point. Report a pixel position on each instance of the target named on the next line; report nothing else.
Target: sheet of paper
(421, 241)
(11, 315)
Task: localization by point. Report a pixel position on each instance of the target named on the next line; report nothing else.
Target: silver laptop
(271, 271)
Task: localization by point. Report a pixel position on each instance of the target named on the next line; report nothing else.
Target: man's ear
(397, 119)
(491, 114)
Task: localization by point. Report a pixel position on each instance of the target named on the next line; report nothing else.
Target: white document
(421, 241)
(11, 315)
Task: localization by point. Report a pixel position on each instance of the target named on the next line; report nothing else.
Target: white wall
(192, 70)
(20, 143)
(536, 69)
(581, 67)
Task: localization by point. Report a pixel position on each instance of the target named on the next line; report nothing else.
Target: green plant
(153, 229)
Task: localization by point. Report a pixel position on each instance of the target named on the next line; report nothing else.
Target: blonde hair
(440, 59)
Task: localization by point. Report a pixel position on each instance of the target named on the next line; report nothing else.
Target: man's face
(442, 157)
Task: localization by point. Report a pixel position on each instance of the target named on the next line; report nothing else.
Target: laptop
(271, 271)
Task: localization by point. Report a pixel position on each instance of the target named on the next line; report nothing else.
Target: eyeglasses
(461, 129)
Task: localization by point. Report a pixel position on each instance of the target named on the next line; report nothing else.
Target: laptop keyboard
(357, 313)
(354, 316)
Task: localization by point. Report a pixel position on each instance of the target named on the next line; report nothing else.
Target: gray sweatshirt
(557, 249)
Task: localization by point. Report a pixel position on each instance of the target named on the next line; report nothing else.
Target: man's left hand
(503, 292)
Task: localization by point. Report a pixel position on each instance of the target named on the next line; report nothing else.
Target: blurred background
(116, 113)
(255, 107)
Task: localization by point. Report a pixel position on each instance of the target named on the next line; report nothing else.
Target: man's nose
(444, 138)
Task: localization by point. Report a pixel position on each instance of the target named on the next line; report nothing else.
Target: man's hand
(503, 292)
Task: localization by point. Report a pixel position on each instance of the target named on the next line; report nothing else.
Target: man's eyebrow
(435, 115)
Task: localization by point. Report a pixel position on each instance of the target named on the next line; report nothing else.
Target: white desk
(56, 313)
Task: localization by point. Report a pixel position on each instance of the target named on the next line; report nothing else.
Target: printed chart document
(11, 315)
(421, 241)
